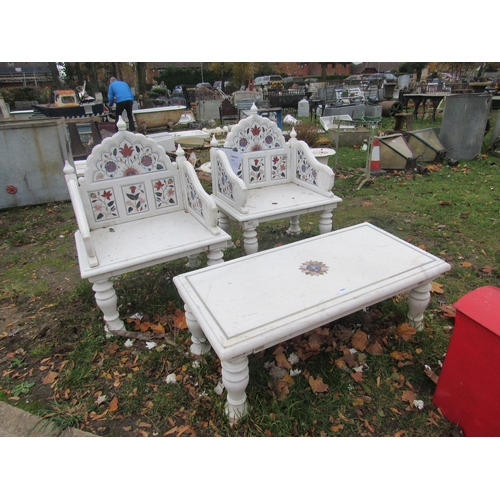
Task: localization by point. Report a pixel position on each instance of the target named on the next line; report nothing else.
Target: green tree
(413, 67)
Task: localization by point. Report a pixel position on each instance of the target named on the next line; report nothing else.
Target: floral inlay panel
(126, 160)
(313, 268)
(257, 171)
(103, 204)
(164, 192)
(239, 172)
(256, 138)
(193, 196)
(135, 198)
(224, 185)
(304, 171)
(278, 167)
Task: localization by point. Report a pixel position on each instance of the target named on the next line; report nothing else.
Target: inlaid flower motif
(130, 171)
(146, 160)
(313, 268)
(110, 167)
(126, 150)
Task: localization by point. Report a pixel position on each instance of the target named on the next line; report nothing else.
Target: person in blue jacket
(124, 97)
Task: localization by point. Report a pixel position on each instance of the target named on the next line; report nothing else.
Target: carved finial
(253, 109)
(121, 125)
(179, 152)
(68, 168)
(293, 137)
(214, 142)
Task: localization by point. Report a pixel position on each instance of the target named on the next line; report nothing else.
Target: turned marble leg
(325, 221)
(294, 225)
(250, 241)
(215, 255)
(225, 225)
(194, 262)
(107, 301)
(418, 300)
(200, 343)
(235, 379)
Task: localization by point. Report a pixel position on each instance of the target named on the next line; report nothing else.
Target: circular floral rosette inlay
(313, 268)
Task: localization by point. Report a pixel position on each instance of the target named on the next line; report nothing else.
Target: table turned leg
(200, 343)
(418, 300)
(250, 241)
(294, 225)
(325, 221)
(194, 261)
(225, 225)
(107, 301)
(215, 255)
(235, 376)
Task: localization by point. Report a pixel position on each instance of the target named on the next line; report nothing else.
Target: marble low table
(249, 304)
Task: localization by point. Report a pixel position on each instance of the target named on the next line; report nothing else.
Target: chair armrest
(310, 172)
(80, 215)
(197, 201)
(226, 185)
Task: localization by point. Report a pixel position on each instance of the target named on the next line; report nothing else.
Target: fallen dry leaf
(343, 333)
(282, 389)
(487, 270)
(357, 376)
(50, 378)
(448, 310)
(359, 340)
(158, 328)
(317, 384)
(409, 396)
(400, 356)
(281, 361)
(376, 349)
(113, 406)
(405, 331)
(466, 264)
(340, 363)
(180, 320)
(436, 287)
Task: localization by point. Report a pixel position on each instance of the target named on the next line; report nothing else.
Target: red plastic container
(468, 390)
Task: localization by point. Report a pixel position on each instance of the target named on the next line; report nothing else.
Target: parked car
(379, 78)
(204, 84)
(218, 84)
(353, 79)
(268, 81)
(290, 81)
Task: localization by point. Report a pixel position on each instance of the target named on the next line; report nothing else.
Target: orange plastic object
(468, 390)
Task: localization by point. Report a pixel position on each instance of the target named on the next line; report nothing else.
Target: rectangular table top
(257, 301)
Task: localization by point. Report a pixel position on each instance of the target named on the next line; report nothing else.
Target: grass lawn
(364, 375)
